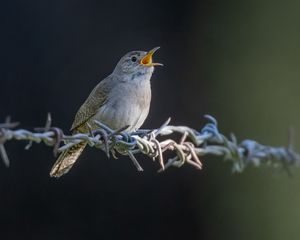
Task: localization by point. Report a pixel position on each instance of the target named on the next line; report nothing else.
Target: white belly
(125, 114)
(120, 110)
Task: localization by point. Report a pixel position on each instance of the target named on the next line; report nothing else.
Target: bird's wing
(90, 107)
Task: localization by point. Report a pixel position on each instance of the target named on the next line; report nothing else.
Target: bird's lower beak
(147, 60)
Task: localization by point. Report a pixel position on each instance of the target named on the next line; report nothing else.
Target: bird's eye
(133, 59)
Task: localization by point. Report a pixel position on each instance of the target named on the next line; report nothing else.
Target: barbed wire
(192, 146)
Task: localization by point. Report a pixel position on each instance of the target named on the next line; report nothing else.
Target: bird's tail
(66, 160)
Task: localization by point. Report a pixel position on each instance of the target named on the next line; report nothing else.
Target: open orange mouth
(147, 60)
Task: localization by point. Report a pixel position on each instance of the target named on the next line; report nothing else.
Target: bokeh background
(236, 60)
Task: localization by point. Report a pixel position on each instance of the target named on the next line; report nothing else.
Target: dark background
(236, 60)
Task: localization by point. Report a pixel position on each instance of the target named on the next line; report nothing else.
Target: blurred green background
(251, 68)
(236, 60)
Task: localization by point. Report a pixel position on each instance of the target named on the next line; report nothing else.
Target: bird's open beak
(147, 60)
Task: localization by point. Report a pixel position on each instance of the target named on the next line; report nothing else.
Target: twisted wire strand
(190, 149)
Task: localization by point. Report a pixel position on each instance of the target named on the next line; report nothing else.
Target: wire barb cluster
(192, 146)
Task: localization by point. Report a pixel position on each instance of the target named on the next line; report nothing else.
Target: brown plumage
(88, 109)
(121, 99)
(66, 160)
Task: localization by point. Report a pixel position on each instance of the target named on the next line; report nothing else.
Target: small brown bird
(123, 98)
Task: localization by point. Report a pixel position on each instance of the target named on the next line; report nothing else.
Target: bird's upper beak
(147, 60)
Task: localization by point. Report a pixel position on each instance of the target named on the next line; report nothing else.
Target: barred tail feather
(66, 160)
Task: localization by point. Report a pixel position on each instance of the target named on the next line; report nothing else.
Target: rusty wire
(190, 149)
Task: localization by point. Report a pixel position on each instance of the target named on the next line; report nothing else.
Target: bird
(121, 99)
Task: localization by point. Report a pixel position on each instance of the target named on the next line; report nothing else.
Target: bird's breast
(127, 104)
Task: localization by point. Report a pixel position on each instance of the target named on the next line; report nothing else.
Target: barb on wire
(193, 146)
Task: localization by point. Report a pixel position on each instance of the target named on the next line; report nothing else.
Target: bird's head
(137, 62)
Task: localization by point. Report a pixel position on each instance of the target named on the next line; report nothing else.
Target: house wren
(121, 99)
